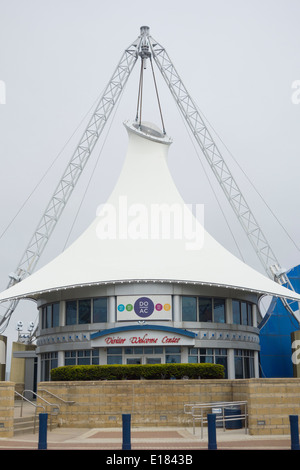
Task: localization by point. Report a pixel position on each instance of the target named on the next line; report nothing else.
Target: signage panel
(150, 307)
(143, 338)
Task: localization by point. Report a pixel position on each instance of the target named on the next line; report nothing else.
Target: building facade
(150, 323)
(146, 283)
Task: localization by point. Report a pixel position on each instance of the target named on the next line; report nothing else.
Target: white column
(111, 309)
(228, 305)
(230, 364)
(62, 313)
(254, 315)
(60, 358)
(256, 365)
(176, 308)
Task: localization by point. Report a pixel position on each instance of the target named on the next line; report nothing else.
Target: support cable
(158, 100)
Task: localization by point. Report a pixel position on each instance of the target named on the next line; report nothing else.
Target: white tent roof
(122, 244)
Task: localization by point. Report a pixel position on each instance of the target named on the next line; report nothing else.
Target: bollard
(294, 432)
(43, 417)
(126, 445)
(212, 435)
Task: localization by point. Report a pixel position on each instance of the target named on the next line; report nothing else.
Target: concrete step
(25, 425)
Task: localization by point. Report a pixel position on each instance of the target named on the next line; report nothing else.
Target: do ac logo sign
(144, 307)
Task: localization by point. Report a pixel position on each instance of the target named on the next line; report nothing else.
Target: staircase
(24, 425)
(26, 418)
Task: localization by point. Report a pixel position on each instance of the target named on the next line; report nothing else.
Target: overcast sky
(239, 60)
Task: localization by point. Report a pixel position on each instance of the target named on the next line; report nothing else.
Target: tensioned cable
(248, 179)
(140, 92)
(48, 169)
(158, 100)
(140, 96)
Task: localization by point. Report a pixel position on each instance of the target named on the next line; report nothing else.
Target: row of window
(196, 309)
(213, 309)
(78, 312)
(243, 359)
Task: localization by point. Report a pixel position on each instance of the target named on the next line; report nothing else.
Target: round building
(146, 283)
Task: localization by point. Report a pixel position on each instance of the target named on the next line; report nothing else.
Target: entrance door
(153, 360)
(134, 360)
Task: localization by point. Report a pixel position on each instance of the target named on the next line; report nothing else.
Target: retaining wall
(161, 402)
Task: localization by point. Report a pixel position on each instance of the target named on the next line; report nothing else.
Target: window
(210, 309)
(48, 361)
(50, 315)
(242, 313)
(209, 355)
(100, 310)
(205, 309)
(244, 364)
(173, 355)
(189, 308)
(114, 355)
(219, 311)
(71, 312)
(82, 357)
(84, 311)
(144, 354)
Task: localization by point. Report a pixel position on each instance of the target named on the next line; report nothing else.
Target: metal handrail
(31, 403)
(191, 408)
(56, 396)
(48, 403)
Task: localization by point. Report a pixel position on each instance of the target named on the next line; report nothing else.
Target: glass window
(84, 311)
(114, 359)
(205, 309)
(95, 356)
(71, 312)
(189, 308)
(55, 314)
(219, 311)
(114, 355)
(153, 360)
(249, 312)
(236, 312)
(173, 354)
(70, 358)
(100, 310)
(244, 364)
(84, 357)
(244, 313)
(49, 316)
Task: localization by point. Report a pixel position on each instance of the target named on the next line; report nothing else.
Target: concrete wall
(160, 403)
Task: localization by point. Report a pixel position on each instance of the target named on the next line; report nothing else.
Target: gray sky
(237, 58)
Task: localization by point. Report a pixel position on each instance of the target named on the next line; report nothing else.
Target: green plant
(136, 372)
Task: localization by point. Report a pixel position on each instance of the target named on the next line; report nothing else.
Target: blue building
(275, 334)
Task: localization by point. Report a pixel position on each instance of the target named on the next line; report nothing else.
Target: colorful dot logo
(144, 307)
(167, 307)
(121, 308)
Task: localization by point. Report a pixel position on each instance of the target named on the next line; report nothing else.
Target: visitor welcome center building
(129, 291)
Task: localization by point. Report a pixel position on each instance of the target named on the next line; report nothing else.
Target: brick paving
(144, 439)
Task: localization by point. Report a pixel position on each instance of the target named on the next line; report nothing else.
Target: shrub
(136, 372)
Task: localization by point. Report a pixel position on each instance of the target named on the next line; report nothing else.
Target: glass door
(134, 360)
(153, 360)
